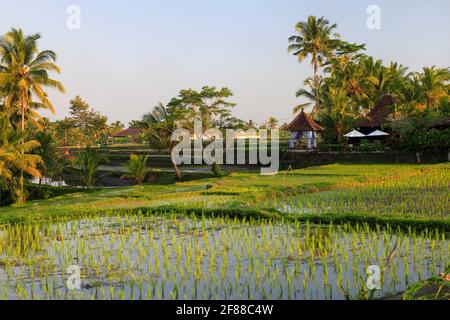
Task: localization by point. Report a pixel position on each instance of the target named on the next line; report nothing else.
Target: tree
(339, 117)
(137, 168)
(434, 83)
(24, 73)
(51, 160)
(271, 123)
(90, 124)
(209, 105)
(89, 162)
(250, 124)
(15, 156)
(159, 126)
(116, 127)
(316, 38)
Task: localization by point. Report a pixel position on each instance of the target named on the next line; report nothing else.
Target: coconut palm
(24, 73)
(137, 168)
(15, 156)
(434, 83)
(89, 161)
(314, 38)
(340, 116)
(159, 125)
(272, 123)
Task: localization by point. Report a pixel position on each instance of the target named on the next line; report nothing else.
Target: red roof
(130, 132)
(66, 153)
(303, 122)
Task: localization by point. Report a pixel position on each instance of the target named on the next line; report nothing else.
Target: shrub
(216, 170)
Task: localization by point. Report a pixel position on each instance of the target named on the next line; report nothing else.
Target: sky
(129, 55)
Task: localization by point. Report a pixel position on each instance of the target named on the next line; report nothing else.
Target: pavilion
(303, 126)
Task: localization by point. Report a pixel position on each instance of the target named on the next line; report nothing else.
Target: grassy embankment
(399, 195)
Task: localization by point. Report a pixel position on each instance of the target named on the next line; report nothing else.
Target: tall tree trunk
(21, 199)
(316, 84)
(177, 170)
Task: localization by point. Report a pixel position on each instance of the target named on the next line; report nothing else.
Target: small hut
(303, 126)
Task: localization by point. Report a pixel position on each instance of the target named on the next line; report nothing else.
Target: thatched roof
(130, 132)
(379, 114)
(303, 122)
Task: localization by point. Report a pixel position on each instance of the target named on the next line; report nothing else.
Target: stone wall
(300, 159)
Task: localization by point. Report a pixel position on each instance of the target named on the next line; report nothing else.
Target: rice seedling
(168, 256)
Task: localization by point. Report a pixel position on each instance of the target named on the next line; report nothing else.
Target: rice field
(167, 256)
(424, 193)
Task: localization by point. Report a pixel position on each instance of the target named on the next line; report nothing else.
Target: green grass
(409, 195)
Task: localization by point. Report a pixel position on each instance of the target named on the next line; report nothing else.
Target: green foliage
(84, 126)
(216, 170)
(412, 134)
(367, 146)
(137, 167)
(15, 158)
(89, 161)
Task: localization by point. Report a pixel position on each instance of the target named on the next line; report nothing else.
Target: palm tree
(14, 156)
(249, 125)
(89, 162)
(116, 127)
(137, 167)
(340, 116)
(272, 123)
(159, 125)
(434, 83)
(24, 72)
(314, 38)
(52, 164)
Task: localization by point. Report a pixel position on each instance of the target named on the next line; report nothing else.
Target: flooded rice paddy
(171, 257)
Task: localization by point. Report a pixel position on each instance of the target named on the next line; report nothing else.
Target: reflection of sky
(129, 55)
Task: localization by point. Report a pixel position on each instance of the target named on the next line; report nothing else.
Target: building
(378, 116)
(66, 154)
(130, 135)
(303, 126)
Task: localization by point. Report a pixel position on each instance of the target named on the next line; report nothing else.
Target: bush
(367, 146)
(412, 134)
(216, 170)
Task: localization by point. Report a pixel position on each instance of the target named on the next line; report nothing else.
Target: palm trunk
(21, 198)
(316, 84)
(177, 171)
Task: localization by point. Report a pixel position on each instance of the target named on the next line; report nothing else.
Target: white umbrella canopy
(355, 134)
(378, 133)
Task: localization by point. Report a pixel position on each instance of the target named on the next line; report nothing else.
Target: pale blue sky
(131, 54)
